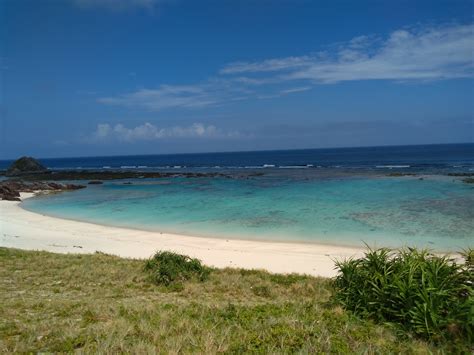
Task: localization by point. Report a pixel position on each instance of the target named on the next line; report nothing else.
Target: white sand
(27, 230)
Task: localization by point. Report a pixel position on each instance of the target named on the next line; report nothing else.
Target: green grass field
(100, 303)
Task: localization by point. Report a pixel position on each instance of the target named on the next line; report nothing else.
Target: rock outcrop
(10, 189)
(8, 193)
(25, 165)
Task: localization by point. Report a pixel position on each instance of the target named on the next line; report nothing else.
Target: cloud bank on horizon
(405, 55)
(149, 132)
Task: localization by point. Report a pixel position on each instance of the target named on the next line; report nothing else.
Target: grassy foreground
(101, 303)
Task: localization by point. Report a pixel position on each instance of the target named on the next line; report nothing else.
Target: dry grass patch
(101, 303)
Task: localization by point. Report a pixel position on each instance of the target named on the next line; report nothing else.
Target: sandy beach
(27, 230)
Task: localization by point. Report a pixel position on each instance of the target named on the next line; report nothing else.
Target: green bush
(170, 269)
(425, 294)
(469, 258)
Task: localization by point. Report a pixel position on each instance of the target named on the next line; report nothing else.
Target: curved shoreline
(179, 234)
(391, 241)
(20, 228)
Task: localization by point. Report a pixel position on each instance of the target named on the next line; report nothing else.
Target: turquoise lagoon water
(435, 212)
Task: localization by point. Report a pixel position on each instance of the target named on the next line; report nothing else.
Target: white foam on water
(293, 167)
(392, 166)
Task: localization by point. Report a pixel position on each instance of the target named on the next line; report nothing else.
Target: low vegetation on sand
(427, 295)
(101, 303)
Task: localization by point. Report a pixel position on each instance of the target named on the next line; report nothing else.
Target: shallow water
(435, 212)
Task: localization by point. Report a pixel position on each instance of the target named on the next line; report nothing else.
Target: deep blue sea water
(335, 196)
(428, 158)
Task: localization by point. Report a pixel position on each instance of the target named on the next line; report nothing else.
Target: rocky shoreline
(28, 175)
(10, 189)
(30, 169)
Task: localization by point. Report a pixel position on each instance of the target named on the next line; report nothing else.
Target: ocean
(334, 196)
(422, 158)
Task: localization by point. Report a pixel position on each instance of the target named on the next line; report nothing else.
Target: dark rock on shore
(8, 193)
(25, 165)
(95, 182)
(10, 189)
(461, 174)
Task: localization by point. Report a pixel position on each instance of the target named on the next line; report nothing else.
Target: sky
(120, 77)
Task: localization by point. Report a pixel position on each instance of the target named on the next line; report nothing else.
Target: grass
(101, 303)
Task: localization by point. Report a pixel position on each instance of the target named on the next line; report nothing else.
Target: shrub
(428, 295)
(469, 259)
(170, 269)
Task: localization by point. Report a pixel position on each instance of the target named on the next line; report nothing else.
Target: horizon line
(244, 151)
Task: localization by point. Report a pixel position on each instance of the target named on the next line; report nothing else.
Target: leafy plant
(170, 269)
(468, 255)
(429, 295)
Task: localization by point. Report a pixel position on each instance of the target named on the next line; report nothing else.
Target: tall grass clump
(428, 295)
(168, 268)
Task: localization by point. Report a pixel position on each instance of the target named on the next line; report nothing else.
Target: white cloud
(212, 92)
(407, 54)
(266, 65)
(282, 93)
(294, 90)
(422, 54)
(166, 96)
(255, 81)
(148, 131)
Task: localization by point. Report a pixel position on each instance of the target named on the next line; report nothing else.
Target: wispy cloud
(212, 92)
(410, 54)
(433, 53)
(266, 65)
(294, 90)
(148, 132)
(285, 92)
(166, 96)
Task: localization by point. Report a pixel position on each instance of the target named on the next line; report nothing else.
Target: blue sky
(104, 77)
